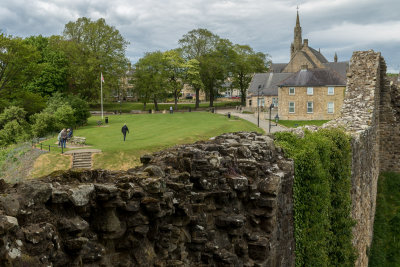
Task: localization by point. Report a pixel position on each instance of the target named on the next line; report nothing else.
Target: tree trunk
(211, 97)
(176, 99)
(144, 105)
(197, 98)
(155, 104)
(243, 97)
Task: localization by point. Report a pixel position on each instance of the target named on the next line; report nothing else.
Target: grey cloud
(267, 26)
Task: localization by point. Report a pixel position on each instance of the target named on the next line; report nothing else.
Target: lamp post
(270, 110)
(258, 106)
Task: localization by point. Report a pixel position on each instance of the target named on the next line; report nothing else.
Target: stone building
(266, 86)
(311, 94)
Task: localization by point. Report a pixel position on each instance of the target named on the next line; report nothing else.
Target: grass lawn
(294, 124)
(126, 107)
(148, 133)
(385, 248)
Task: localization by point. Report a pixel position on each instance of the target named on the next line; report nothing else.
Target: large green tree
(94, 47)
(174, 67)
(198, 44)
(18, 65)
(245, 63)
(150, 79)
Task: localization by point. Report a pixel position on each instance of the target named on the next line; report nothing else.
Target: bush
(14, 127)
(322, 201)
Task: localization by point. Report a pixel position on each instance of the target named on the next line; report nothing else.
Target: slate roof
(320, 57)
(339, 67)
(278, 67)
(268, 81)
(314, 77)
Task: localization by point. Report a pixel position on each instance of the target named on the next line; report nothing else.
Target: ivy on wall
(322, 201)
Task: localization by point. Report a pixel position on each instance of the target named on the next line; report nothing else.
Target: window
(331, 106)
(291, 107)
(310, 90)
(115, 93)
(310, 107)
(249, 102)
(331, 90)
(129, 93)
(261, 102)
(291, 90)
(275, 101)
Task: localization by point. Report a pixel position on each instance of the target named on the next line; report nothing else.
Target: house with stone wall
(264, 87)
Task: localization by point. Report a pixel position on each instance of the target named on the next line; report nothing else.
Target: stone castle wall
(226, 202)
(371, 114)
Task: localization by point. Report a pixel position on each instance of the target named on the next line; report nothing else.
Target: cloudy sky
(341, 26)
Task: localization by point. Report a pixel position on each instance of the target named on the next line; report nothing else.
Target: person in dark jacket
(124, 130)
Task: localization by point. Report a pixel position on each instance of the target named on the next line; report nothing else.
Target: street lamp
(258, 106)
(270, 110)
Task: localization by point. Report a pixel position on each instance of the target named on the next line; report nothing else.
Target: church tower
(297, 42)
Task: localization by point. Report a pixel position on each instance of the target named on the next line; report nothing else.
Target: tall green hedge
(322, 202)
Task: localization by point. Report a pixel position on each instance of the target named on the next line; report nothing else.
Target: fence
(36, 141)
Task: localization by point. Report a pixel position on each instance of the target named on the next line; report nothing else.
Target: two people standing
(63, 136)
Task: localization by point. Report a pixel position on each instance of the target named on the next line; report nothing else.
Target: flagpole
(101, 92)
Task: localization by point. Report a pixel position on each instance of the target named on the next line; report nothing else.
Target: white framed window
(310, 90)
(291, 90)
(310, 107)
(275, 101)
(291, 107)
(331, 107)
(261, 102)
(129, 93)
(331, 90)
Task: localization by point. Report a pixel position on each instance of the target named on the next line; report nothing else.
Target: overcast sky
(341, 26)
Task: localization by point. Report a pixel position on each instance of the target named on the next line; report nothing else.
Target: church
(309, 87)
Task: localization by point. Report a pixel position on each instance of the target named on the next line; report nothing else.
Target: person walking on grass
(124, 130)
(63, 138)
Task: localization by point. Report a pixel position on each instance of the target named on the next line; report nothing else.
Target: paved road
(253, 119)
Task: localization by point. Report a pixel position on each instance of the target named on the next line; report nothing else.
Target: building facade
(305, 62)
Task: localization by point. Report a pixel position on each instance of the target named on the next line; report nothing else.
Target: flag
(102, 78)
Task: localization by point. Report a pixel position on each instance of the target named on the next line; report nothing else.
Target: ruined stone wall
(226, 202)
(361, 117)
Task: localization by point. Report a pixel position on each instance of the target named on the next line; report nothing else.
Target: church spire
(298, 41)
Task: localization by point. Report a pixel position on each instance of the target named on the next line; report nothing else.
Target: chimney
(304, 67)
(305, 43)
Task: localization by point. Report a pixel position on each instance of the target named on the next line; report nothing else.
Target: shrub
(321, 192)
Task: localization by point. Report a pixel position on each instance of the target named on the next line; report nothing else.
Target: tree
(195, 45)
(53, 66)
(18, 64)
(245, 63)
(94, 47)
(174, 72)
(13, 125)
(215, 67)
(149, 77)
(192, 75)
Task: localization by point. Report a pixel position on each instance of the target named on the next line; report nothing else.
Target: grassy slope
(150, 133)
(385, 249)
(292, 124)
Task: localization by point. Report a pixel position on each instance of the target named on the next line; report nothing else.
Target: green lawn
(385, 249)
(126, 107)
(294, 124)
(150, 133)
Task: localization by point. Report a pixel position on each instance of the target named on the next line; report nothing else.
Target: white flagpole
(101, 92)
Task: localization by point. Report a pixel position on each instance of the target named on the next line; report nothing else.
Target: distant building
(305, 63)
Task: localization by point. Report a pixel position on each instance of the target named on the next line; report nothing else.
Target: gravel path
(253, 119)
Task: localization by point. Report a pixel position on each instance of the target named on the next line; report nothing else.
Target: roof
(278, 67)
(318, 55)
(268, 81)
(314, 77)
(339, 67)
